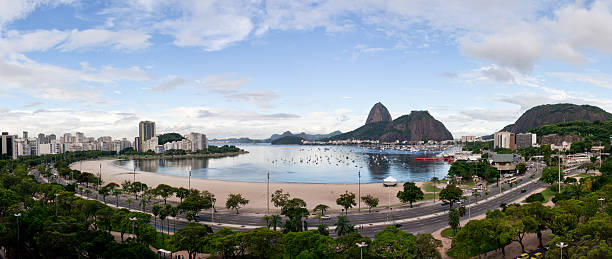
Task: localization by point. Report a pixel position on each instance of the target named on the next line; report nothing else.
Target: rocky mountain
(378, 113)
(416, 126)
(554, 113)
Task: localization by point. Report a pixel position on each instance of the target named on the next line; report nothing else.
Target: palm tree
(322, 208)
(173, 211)
(129, 201)
(156, 211)
(342, 226)
(117, 192)
(104, 191)
(266, 218)
(143, 202)
(275, 221)
(163, 213)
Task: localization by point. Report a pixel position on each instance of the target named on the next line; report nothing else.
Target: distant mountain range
(416, 126)
(302, 135)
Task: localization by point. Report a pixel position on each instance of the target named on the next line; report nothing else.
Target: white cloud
(223, 84)
(93, 38)
(261, 98)
(601, 80)
(16, 9)
(169, 85)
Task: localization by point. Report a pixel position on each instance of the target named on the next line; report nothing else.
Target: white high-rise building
(198, 141)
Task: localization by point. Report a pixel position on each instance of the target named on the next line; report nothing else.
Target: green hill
(168, 137)
(288, 140)
(555, 113)
(598, 131)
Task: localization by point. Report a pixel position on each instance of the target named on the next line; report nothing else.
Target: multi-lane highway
(425, 217)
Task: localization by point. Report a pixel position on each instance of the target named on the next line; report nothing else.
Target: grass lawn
(469, 183)
(548, 193)
(428, 187)
(583, 175)
(449, 232)
(430, 196)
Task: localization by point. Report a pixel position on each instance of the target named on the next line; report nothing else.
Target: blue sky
(254, 68)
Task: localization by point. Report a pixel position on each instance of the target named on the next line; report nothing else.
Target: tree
(536, 197)
(181, 193)
(453, 219)
(194, 203)
(275, 221)
(279, 198)
(411, 193)
(295, 210)
(370, 201)
(343, 226)
(392, 242)
(550, 175)
(263, 243)
(346, 200)
(104, 191)
(307, 244)
(192, 238)
(321, 208)
(427, 246)
(235, 201)
(451, 194)
(117, 192)
(323, 229)
(164, 191)
(156, 211)
(346, 247)
(521, 168)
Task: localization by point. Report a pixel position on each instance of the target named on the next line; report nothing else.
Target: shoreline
(256, 192)
(214, 155)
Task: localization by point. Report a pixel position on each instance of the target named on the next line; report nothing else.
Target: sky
(253, 68)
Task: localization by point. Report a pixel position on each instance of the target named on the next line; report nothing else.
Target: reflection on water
(305, 164)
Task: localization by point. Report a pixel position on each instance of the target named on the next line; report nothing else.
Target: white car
(326, 217)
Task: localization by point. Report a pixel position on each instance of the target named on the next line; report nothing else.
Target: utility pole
(434, 182)
(134, 174)
(189, 180)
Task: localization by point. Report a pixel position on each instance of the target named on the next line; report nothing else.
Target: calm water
(302, 164)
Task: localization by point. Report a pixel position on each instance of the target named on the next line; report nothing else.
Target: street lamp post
(268, 194)
(359, 192)
(57, 194)
(361, 246)
(189, 180)
(561, 246)
(601, 200)
(132, 220)
(18, 238)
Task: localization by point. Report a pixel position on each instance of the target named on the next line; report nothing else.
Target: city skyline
(254, 68)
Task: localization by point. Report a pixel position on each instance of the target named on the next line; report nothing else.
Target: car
(444, 203)
(326, 217)
(523, 191)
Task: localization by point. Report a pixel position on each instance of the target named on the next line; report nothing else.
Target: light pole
(561, 246)
(359, 192)
(268, 193)
(361, 246)
(132, 220)
(434, 182)
(601, 200)
(189, 180)
(18, 238)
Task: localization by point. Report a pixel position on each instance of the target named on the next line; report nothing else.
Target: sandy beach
(255, 192)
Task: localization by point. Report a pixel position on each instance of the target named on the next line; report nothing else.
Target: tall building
(525, 140)
(504, 139)
(198, 141)
(146, 130)
(7, 145)
(51, 137)
(42, 139)
(25, 135)
(80, 137)
(67, 138)
(137, 145)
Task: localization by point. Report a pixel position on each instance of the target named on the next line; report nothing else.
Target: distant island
(271, 139)
(288, 140)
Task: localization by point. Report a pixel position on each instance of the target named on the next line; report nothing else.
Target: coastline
(214, 155)
(312, 193)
